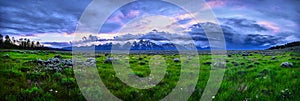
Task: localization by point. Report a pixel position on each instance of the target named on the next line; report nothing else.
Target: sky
(251, 24)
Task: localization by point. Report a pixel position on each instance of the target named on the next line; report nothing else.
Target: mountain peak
(154, 30)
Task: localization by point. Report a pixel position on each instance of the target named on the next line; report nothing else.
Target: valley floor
(249, 75)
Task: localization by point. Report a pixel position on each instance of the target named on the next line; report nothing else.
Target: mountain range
(142, 45)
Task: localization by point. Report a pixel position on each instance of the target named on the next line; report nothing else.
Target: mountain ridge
(142, 45)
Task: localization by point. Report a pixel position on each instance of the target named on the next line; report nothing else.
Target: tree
(32, 44)
(13, 40)
(24, 42)
(28, 43)
(21, 44)
(1, 39)
(7, 40)
(37, 44)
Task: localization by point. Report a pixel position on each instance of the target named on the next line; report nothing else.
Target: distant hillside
(7, 42)
(292, 44)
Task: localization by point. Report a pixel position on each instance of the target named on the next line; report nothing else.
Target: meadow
(255, 76)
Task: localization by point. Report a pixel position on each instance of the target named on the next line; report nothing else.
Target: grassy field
(252, 77)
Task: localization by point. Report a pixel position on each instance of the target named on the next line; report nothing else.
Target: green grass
(255, 77)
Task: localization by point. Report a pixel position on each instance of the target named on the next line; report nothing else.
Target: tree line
(23, 43)
(292, 44)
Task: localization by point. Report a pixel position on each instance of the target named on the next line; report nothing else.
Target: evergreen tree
(7, 41)
(1, 39)
(32, 44)
(22, 43)
(13, 40)
(37, 44)
(28, 43)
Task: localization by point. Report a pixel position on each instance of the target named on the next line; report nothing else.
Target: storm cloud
(242, 24)
(38, 16)
(234, 39)
(249, 24)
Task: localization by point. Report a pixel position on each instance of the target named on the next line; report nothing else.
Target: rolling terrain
(249, 75)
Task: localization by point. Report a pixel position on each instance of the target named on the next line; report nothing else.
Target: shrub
(33, 92)
(68, 81)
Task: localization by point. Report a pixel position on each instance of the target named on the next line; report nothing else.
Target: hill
(288, 45)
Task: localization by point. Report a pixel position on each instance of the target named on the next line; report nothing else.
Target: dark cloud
(40, 16)
(242, 23)
(110, 27)
(197, 32)
(150, 36)
(57, 44)
(32, 17)
(256, 39)
(154, 36)
(161, 36)
(232, 36)
(153, 7)
(90, 38)
(234, 39)
(268, 10)
(30, 35)
(184, 21)
(134, 9)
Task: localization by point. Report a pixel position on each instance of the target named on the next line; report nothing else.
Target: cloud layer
(246, 24)
(235, 38)
(25, 17)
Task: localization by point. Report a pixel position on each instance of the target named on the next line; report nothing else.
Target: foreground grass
(254, 77)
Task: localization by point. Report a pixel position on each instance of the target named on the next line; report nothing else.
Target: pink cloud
(118, 17)
(185, 16)
(269, 25)
(215, 3)
(68, 34)
(133, 13)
